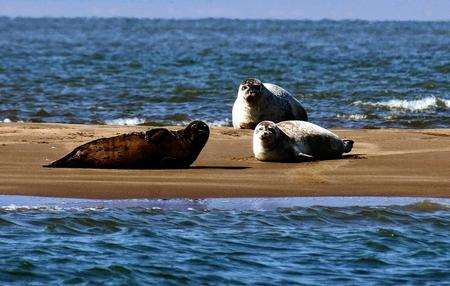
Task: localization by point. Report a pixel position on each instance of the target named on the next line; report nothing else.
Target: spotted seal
(156, 148)
(257, 101)
(296, 141)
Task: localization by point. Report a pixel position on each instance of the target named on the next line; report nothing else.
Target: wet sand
(384, 162)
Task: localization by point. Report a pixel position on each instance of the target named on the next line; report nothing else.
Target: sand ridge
(384, 162)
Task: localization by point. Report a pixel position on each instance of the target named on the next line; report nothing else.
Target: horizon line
(222, 18)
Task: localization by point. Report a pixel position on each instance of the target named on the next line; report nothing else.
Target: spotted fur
(295, 141)
(257, 101)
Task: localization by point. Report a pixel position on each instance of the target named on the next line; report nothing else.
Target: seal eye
(194, 126)
(244, 87)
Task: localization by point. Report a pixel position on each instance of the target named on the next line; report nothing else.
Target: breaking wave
(125, 121)
(352, 116)
(410, 105)
(141, 121)
(427, 206)
(220, 123)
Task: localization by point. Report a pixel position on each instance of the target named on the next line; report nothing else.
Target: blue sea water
(130, 71)
(138, 71)
(281, 241)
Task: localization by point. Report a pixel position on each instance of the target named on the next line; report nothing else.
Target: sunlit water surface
(130, 71)
(282, 241)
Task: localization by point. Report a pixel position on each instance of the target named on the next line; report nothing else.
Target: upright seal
(156, 148)
(257, 101)
(296, 141)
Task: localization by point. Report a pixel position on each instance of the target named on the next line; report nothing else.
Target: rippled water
(217, 242)
(129, 71)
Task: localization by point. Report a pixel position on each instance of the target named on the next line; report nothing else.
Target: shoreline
(384, 162)
(12, 202)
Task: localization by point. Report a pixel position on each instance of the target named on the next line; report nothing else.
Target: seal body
(257, 101)
(296, 141)
(156, 148)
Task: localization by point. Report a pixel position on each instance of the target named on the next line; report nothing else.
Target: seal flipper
(302, 157)
(348, 145)
(155, 135)
(71, 160)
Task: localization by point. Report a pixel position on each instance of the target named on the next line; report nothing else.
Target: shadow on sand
(354, 156)
(220, 167)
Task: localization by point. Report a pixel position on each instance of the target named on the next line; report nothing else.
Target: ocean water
(131, 71)
(282, 241)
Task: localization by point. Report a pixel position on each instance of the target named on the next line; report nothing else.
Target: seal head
(267, 133)
(197, 132)
(270, 143)
(251, 89)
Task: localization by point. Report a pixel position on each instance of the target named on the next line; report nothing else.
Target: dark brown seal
(156, 148)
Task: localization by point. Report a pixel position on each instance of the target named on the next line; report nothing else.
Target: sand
(384, 162)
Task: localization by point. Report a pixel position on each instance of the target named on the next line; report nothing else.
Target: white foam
(352, 116)
(136, 121)
(25, 203)
(411, 105)
(217, 123)
(7, 120)
(14, 207)
(125, 121)
(223, 122)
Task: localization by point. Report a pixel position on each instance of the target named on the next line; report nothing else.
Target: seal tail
(348, 145)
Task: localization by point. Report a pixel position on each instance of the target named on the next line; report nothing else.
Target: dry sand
(384, 162)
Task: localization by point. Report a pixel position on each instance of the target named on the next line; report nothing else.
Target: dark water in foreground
(129, 71)
(217, 242)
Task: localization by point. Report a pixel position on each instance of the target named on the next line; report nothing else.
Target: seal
(257, 101)
(156, 148)
(296, 141)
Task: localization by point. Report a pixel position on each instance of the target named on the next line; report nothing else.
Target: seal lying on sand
(257, 101)
(296, 141)
(156, 148)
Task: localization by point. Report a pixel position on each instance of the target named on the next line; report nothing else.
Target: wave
(220, 123)
(338, 204)
(133, 121)
(352, 116)
(427, 205)
(177, 121)
(215, 123)
(24, 208)
(7, 120)
(410, 105)
(125, 121)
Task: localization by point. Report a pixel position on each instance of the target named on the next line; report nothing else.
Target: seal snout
(265, 135)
